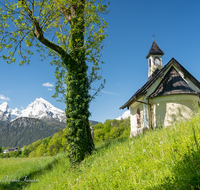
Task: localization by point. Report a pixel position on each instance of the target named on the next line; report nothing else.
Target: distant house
(10, 150)
(170, 94)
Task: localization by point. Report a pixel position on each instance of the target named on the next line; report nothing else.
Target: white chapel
(171, 94)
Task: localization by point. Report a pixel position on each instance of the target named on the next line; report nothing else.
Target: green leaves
(71, 32)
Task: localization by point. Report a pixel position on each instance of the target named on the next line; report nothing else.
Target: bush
(14, 154)
(6, 155)
(116, 132)
(99, 135)
(25, 151)
(112, 129)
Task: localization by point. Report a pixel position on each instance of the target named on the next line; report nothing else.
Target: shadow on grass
(186, 172)
(108, 143)
(24, 181)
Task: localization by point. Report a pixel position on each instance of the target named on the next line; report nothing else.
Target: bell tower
(154, 58)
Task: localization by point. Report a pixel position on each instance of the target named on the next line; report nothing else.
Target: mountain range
(22, 127)
(39, 120)
(39, 109)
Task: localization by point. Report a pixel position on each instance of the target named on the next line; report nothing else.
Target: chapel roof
(155, 50)
(172, 83)
(143, 90)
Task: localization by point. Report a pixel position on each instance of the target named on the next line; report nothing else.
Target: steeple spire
(153, 37)
(155, 50)
(154, 58)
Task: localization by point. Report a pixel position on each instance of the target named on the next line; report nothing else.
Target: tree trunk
(79, 137)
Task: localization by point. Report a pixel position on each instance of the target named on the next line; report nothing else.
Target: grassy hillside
(161, 159)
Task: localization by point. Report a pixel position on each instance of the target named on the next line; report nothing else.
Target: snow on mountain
(4, 112)
(125, 115)
(40, 109)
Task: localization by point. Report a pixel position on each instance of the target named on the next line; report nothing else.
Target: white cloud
(106, 92)
(47, 84)
(2, 97)
(49, 89)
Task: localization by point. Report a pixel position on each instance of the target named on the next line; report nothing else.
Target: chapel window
(138, 118)
(149, 62)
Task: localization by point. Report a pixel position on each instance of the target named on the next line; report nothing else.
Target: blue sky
(176, 24)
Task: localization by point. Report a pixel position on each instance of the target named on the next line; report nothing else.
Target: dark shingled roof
(160, 73)
(155, 50)
(172, 83)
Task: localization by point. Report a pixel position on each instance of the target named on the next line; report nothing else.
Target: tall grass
(161, 159)
(15, 172)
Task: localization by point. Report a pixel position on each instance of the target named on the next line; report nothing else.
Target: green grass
(161, 159)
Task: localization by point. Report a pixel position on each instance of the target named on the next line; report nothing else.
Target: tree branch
(64, 10)
(38, 33)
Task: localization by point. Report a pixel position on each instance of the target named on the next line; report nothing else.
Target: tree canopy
(71, 32)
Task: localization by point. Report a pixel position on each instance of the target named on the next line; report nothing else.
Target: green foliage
(6, 155)
(14, 154)
(32, 147)
(49, 146)
(112, 129)
(25, 151)
(1, 150)
(45, 141)
(72, 32)
(109, 130)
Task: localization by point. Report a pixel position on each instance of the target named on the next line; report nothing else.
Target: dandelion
(161, 142)
(159, 145)
(144, 150)
(132, 142)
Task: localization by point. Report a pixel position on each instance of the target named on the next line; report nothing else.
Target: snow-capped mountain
(4, 112)
(40, 109)
(125, 115)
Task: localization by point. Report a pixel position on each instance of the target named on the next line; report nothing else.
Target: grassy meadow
(160, 159)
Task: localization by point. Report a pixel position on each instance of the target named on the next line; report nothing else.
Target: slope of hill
(161, 159)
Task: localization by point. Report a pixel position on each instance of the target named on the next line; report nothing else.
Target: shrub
(99, 135)
(14, 154)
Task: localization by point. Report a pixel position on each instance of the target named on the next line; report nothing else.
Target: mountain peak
(4, 107)
(40, 109)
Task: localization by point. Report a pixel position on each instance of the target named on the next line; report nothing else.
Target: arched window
(157, 61)
(138, 118)
(149, 62)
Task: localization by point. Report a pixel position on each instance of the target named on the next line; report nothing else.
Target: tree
(72, 32)
(25, 151)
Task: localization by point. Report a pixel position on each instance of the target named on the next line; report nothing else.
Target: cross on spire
(153, 37)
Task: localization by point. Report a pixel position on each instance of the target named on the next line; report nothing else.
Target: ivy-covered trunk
(79, 137)
(70, 31)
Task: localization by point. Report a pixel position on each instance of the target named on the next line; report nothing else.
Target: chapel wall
(168, 112)
(135, 130)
